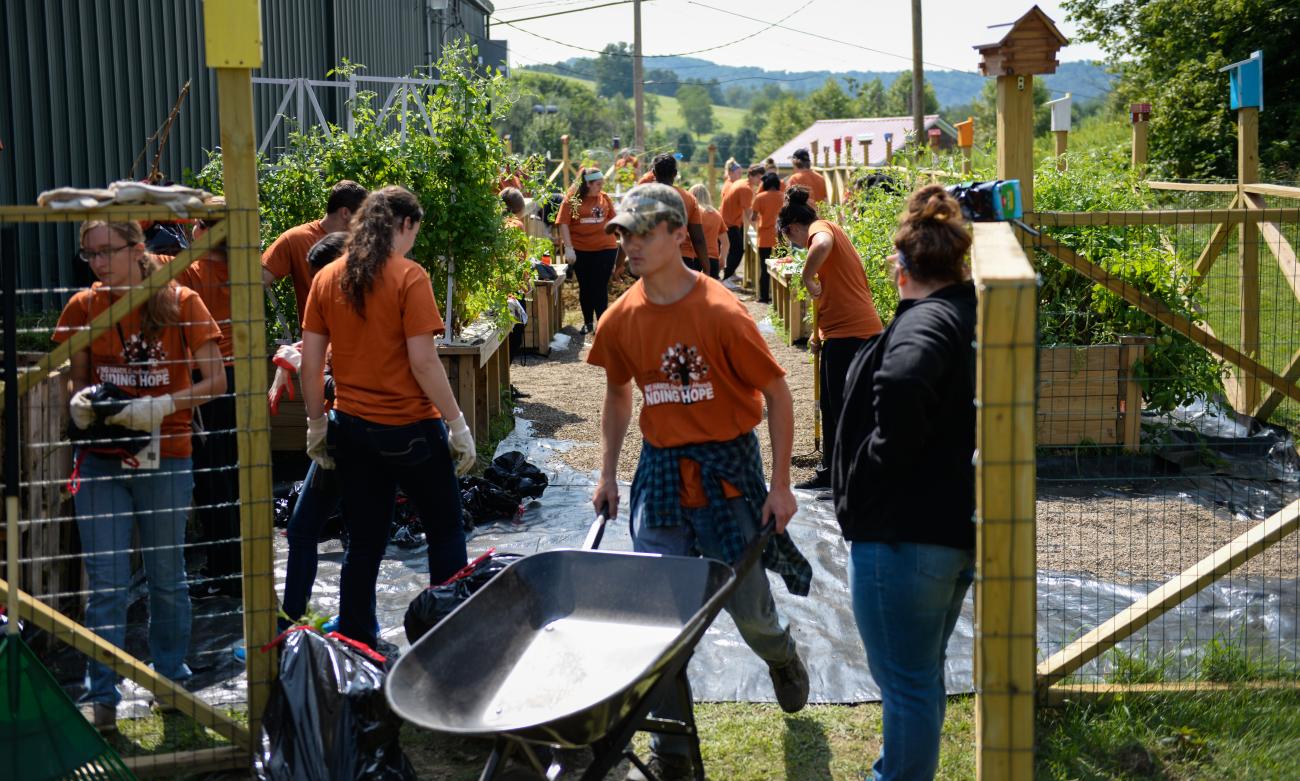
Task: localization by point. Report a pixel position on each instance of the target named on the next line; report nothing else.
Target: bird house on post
(1061, 127)
(865, 139)
(1246, 82)
(966, 140)
(1028, 47)
(889, 148)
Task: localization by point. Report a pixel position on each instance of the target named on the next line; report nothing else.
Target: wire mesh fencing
(1166, 423)
(145, 494)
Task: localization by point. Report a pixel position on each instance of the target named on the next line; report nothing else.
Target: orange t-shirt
(815, 182)
(372, 372)
(287, 256)
(647, 178)
(210, 278)
(121, 355)
(845, 309)
(700, 364)
(693, 217)
(767, 205)
(711, 221)
(587, 227)
(738, 197)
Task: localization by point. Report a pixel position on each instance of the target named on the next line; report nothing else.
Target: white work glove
(288, 361)
(570, 256)
(144, 413)
(81, 409)
(317, 429)
(462, 445)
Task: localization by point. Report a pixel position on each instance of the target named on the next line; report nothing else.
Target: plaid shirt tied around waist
(656, 487)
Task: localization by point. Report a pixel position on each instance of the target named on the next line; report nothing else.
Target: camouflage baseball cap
(645, 206)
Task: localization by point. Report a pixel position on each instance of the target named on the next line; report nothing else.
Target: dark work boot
(820, 480)
(790, 682)
(664, 767)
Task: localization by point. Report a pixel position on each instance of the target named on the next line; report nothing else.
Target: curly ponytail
(932, 236)
(796, 210)
(371, 241)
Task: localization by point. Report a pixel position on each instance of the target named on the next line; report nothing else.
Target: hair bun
(932, 204)
(796, 194)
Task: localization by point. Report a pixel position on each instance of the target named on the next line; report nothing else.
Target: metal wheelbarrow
(567, 649)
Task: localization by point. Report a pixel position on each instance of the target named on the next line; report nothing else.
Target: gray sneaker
(101, 715)
(790, 682)
(663, 767)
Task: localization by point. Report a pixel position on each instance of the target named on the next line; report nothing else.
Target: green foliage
(686, 146)
(829, 101)
(723, 142)
(783, 120)
(613, 68)
(1168, 53)
(454, 173)
(898, 98)
(743, 147)
(1073, 310)
(697, 109)
(1135, 667)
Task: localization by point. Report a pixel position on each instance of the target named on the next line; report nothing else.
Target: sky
(873, 35)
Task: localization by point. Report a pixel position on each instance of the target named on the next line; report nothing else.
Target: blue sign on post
(1246, 82)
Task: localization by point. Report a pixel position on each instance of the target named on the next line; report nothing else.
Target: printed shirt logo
(146, 365)
(597, 215)
(687, 378)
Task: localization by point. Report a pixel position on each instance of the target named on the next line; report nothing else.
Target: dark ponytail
(771, 181)
(932, 236)
(371, 240)
(796, 210)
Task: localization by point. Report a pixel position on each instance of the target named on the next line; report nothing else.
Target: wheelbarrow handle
(595, 533)
(754, 550)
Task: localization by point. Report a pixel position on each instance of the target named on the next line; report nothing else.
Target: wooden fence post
(1140, 113)
(848, 151)
(1248, 251)
(1016, 133)
(564, 160)
(233, 46)
(1005, 582)
(889, 149)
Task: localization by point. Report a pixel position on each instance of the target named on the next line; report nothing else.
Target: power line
(562, 13)
(661, 56)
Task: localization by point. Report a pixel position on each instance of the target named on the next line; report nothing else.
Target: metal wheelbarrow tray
(565, 648)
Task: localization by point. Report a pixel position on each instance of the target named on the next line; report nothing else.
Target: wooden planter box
(749, 265)
(45, 464)
(1089, 395)
(545, 312)
(478, 371)
(787, 305)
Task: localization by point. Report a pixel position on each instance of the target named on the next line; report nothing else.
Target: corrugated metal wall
(85, 82)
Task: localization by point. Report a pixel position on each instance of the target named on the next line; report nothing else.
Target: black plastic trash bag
(516, 475)
(166, 238)
(327, 719)
(436, 602)
(483, 502)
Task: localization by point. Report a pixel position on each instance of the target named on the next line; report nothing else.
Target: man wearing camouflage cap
(704, 372)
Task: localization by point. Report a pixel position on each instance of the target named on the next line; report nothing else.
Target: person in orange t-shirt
(806, 177)
(715, 234)
(139, 484)
(591, 251)
(693, 246)
(846, 315)
(287, 255)
(767, 204)
(216, 453)
(376, 312)
(704, 372)
(737, 215)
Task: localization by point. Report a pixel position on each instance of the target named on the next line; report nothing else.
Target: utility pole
(918, 81)
(638, 87)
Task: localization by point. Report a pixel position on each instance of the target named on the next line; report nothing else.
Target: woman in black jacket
(904, 483)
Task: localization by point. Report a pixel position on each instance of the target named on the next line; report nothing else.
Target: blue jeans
(317, 502)
(906, 599)
(372, 461)
(751, 605)
(113, 500)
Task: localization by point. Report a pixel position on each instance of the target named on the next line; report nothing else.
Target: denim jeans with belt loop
(751, 605)
(111, 501)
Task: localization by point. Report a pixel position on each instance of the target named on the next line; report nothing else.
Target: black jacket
(902, 469)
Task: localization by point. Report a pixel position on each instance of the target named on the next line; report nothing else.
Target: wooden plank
(1005, 590)
(1075, 360)
(253, 430)
(120, 308)
(1194, 187)
(1015, 133)
(1061, 693)
(1099, 407)
(97, 648)
(1248, 308)
(1131, 419)
(1064, 432)
(1275, 190)
(1157, 309)
(194, 762)
(1273, 400)
(466, 391)
(1192, 580)
(115, 213)
(1166, 217)
(492, 376)
(1278, 245)
(1218, 240)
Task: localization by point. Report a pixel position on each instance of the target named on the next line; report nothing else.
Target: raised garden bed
(545, 305)
(786, 303)
(1089, 395)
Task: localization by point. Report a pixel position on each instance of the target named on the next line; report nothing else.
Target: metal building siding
(388, 36)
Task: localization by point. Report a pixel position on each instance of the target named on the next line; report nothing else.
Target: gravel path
(565, 396)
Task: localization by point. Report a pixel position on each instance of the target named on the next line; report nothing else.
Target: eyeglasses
(107, 252)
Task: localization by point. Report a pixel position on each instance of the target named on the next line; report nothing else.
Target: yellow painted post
(233, 38)
(1248, 250)
(564, 160)
(1005, 582)
(1016, 134)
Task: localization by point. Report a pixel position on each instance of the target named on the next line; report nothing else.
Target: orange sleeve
(276, 258)
(200, 327)
(565, 215)
(74, 317)
(749, 354)
(746, 197)
(313, 319)
(605, 354)
(419, 307)
(692, 210)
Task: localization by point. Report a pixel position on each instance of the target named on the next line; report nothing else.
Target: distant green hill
(669, 115)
